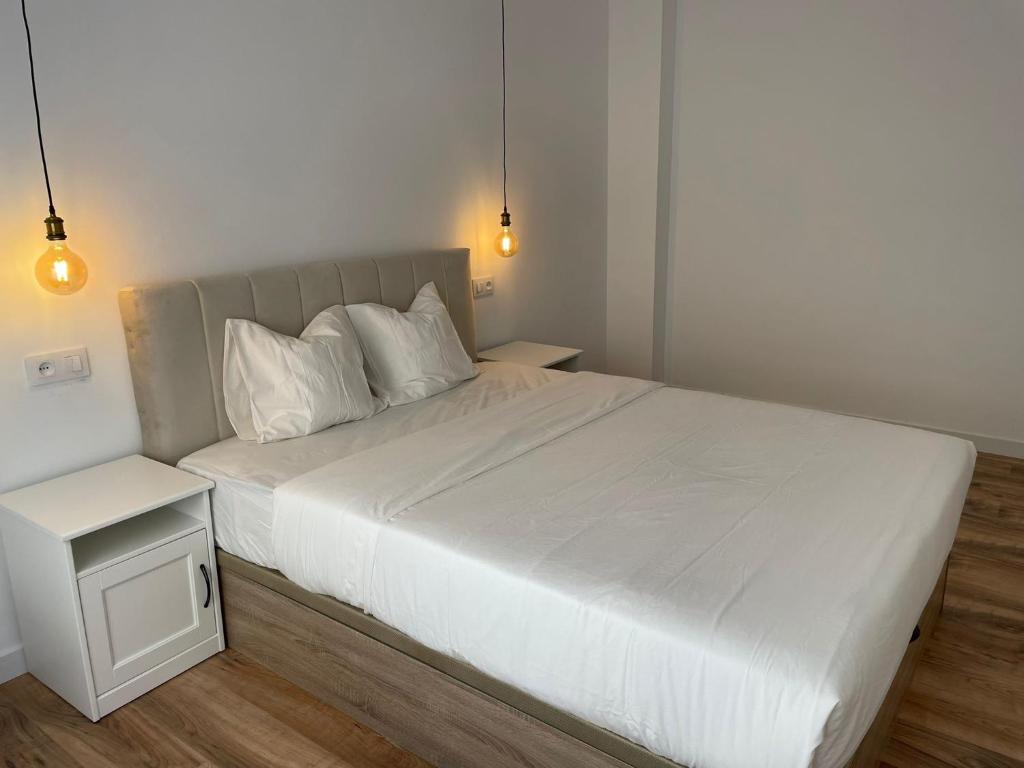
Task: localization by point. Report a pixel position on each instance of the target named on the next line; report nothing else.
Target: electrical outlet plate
(483, 286)
(55, 367)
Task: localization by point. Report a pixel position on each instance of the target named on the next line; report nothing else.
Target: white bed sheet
(728, 582)
(246, 473)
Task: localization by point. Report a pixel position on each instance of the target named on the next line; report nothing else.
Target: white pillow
(411, 355)
(277, 386)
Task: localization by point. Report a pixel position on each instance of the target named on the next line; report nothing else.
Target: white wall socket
(54, 367)
(483, 286)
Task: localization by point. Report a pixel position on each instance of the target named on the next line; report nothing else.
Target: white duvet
(726, 582)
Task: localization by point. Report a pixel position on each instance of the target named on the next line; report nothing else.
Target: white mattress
(727, 582)
(246, 473)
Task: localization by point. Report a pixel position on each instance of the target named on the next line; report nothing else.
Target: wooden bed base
(438, 708)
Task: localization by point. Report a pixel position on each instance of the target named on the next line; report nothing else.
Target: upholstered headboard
(175, 331)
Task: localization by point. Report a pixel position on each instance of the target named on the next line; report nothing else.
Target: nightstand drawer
(148, 609)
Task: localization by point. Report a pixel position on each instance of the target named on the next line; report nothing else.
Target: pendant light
(505, 242)
(60, 270)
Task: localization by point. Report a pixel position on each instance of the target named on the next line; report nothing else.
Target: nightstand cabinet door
(148, 609)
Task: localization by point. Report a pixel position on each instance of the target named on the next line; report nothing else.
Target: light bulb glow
(506, 243)
(60, 270)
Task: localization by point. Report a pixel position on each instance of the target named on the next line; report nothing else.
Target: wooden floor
(227, 711)
(965, 708)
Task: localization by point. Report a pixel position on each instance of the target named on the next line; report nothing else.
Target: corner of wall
(664, 226)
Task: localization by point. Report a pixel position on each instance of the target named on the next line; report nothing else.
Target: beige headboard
(175, 331)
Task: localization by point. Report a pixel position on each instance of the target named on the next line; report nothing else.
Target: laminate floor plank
(922, 748)
(986, 539)
(56, 728)
(227, 711)
(310, 717)
(196, 705)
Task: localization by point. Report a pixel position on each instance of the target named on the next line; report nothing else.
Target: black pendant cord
(35, 99)
(504, 128)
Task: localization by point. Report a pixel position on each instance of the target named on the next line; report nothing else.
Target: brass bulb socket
(55, 228)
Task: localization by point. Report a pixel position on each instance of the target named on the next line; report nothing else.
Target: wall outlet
(54, 367)
(483, 286)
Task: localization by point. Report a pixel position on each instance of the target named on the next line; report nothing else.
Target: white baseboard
(1002, 446)
(12, 663)
(985, 443)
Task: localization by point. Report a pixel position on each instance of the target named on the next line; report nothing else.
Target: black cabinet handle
(916, 633)
(209, 588)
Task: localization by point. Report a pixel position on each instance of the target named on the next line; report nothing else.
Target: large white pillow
(277, 386)
(411, 355)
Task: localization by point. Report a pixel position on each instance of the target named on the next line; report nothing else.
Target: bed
(539, 568)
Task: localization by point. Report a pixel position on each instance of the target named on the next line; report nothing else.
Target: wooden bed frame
(436, 707)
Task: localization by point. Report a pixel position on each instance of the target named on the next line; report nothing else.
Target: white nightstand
(114, 579)
(537, 355)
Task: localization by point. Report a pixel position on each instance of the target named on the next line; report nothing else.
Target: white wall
(634, 107)
(849, 208)
(189, 139)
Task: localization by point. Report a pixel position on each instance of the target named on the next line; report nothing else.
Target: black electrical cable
(504, 128)
(35, 98)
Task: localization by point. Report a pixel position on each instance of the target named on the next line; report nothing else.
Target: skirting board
(1000, 446)
(12, 663)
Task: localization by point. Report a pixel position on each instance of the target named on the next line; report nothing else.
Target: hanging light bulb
(505, 242)
(60, 270)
